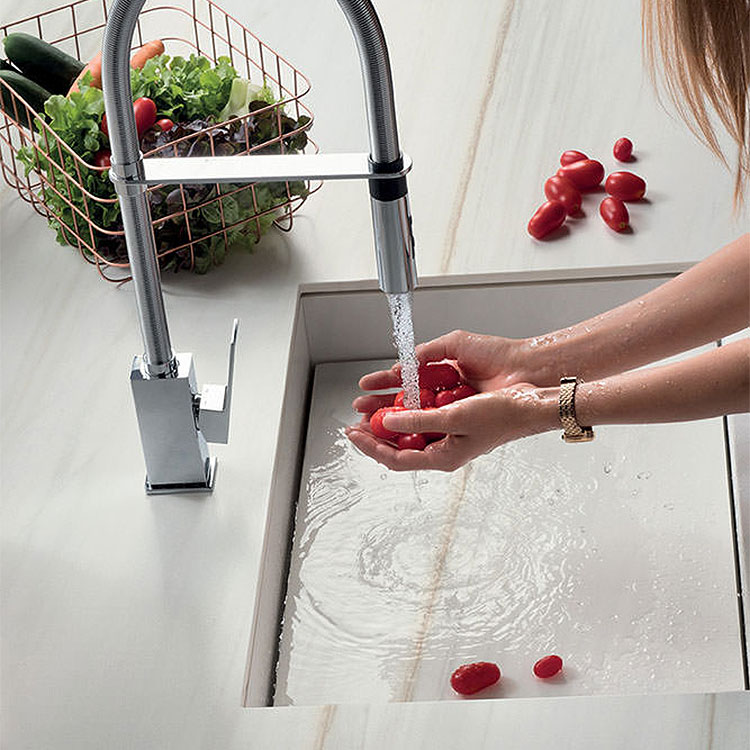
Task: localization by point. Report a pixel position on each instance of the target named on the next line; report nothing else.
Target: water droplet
(643, 475)
(607, 468)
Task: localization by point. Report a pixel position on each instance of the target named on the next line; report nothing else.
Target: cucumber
(48, 66)
(32, 93)
(5, 65)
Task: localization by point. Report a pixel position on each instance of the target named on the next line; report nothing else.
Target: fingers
(444, 455)
(443, 347)
(377, 381)
(445, 419)
(370, 404)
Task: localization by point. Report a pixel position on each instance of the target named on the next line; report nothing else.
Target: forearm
(707, 385)
(706, 302)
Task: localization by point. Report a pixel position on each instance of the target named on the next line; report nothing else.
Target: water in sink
(599, 553)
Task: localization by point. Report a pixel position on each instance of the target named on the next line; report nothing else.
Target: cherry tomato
(548, 666)
(623, 149)
(568, 157)
(548, 217)
(145, 114)
(463, 391)
(444, 398)
(626, 186)
(414, 442)
(376, 423)
(438, 376)
(585, 174)
(103, 158)
(426, 398)
(614, 213)
(471, 678)
(165, 124)
(563, 190)
(144, 110)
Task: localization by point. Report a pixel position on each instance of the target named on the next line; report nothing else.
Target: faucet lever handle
(216, 400)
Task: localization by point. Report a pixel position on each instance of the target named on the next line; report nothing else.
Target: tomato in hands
(426, 398)
(414, 442)
(438, 376)
(376, 423)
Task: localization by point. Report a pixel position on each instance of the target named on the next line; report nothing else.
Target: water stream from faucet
(403, 338)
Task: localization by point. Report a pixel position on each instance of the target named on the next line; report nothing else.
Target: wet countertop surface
(126, 618)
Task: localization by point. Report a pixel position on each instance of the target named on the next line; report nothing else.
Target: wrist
(537, 408)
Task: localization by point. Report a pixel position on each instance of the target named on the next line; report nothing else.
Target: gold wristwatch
(573, 431)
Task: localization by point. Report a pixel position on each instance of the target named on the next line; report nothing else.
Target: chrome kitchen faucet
(175, 420)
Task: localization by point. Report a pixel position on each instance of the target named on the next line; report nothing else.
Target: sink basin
(619, 555)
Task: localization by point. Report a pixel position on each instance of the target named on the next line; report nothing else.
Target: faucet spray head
(391, 221)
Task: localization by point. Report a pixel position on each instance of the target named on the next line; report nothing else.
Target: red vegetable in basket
(548, 666)
(585, 174)
(568, 157)
(471, 678)
(165, 124)
(626, 186)
(563, 190)
(103, 158)
(144, 110)
(376, 423)
(548, 217)
(614, 213)
(623, 149)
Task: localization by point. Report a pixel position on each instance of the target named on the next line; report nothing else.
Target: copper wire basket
(195, 26)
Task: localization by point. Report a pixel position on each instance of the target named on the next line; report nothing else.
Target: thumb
(420, 420)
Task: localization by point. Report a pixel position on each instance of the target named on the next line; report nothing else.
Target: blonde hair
(704, 46)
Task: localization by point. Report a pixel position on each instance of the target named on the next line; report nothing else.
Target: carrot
(94, 66)
(149, 50)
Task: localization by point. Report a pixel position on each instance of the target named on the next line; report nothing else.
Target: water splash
(403, 338)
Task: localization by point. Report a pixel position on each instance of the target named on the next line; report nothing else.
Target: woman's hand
(487, 363)
(473, 426)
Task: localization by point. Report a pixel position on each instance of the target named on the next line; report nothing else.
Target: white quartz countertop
(126, 618)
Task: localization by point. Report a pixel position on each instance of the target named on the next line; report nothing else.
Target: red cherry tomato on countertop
(568, 157)
(626, 186)
(548, 217)
(585, 174)
(471, 678)
(563, 190)
(615, 214)
(623, 149)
